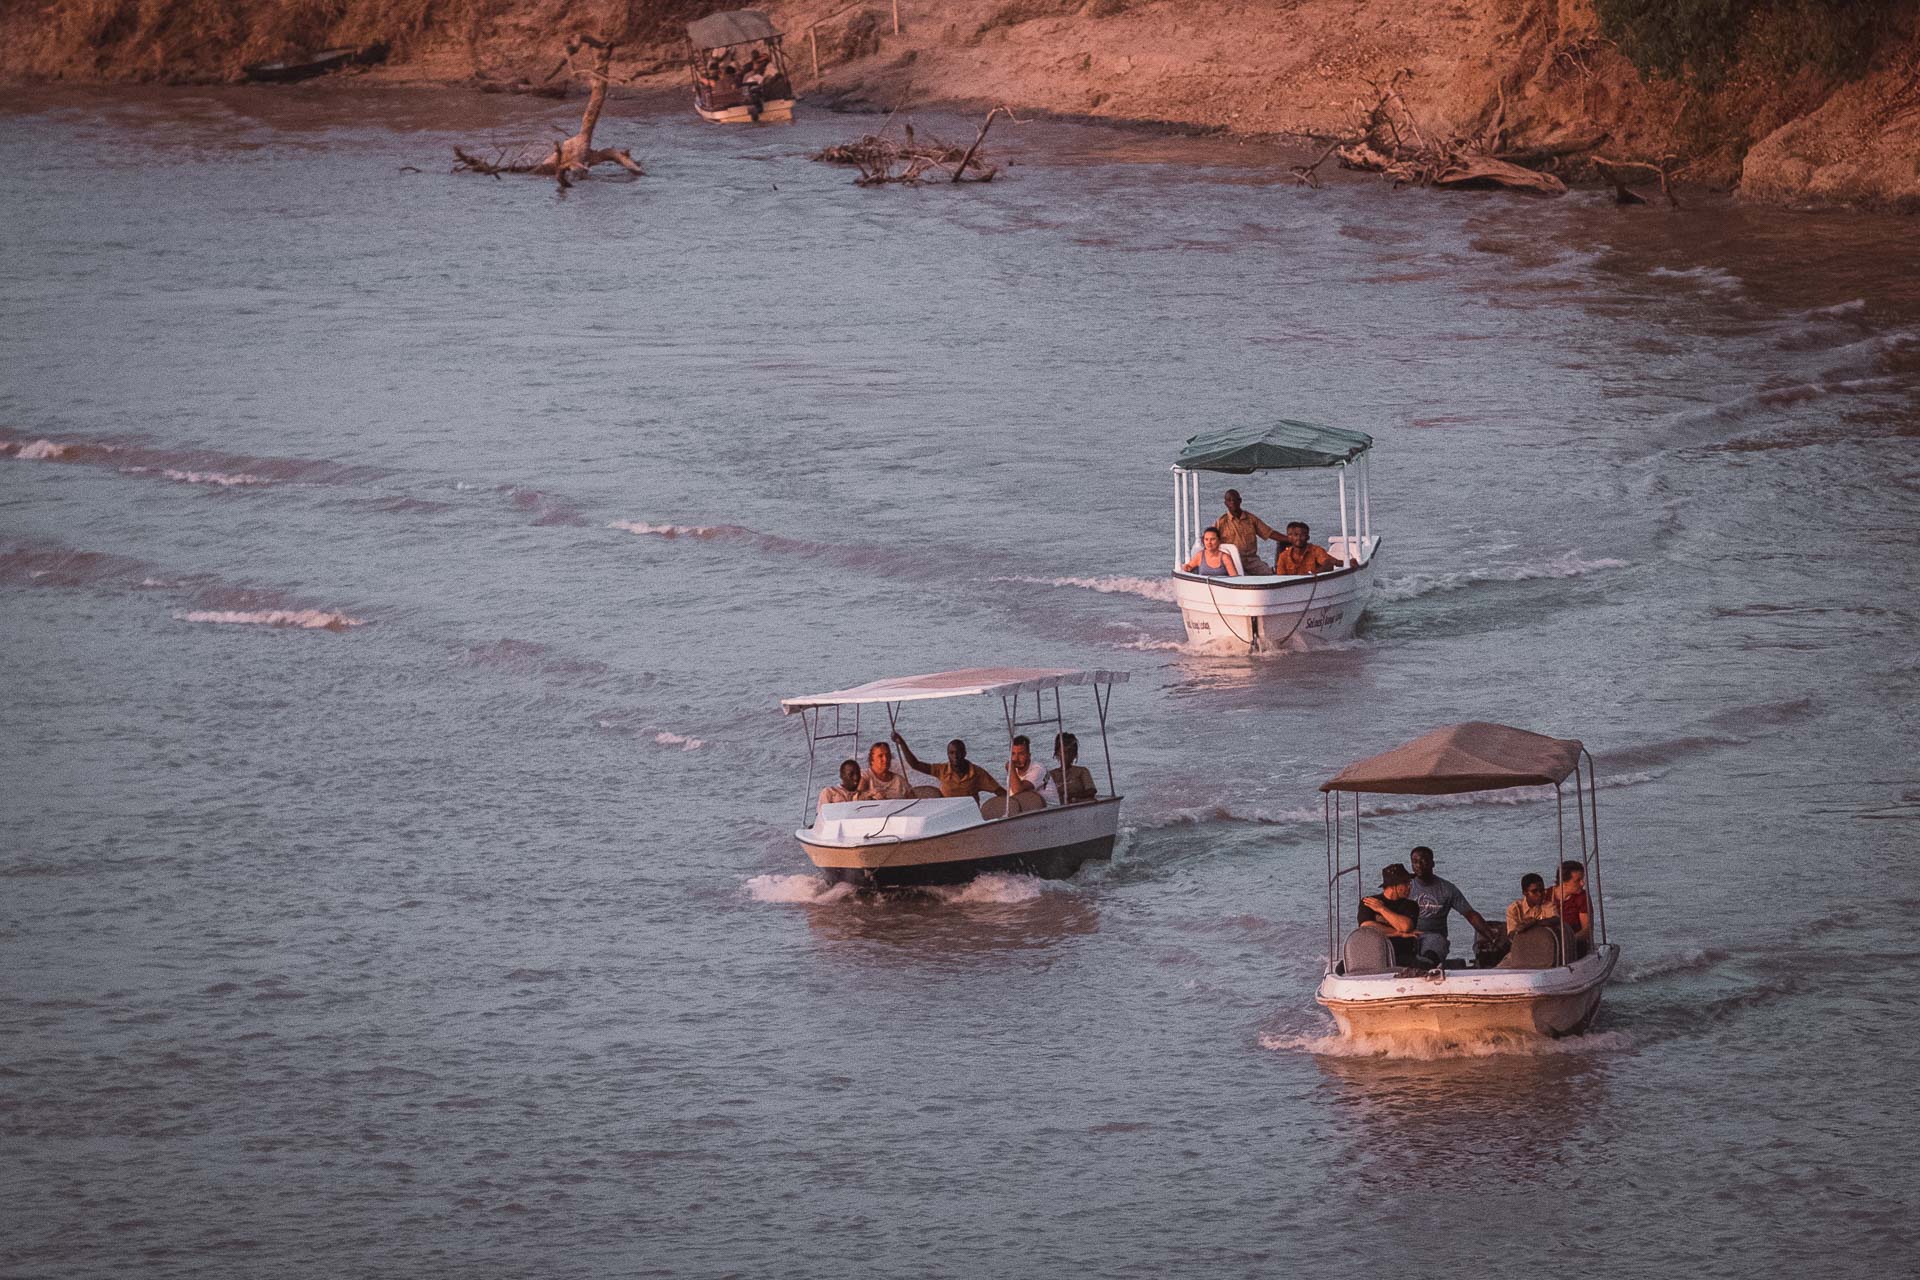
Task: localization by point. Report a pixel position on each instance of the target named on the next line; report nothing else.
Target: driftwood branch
(575, 156)
(1625, 195)
(914, 159)
(1383, 148)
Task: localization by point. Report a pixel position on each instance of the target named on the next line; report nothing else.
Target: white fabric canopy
(952, 684)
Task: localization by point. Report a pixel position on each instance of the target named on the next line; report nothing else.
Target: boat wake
(1109, 584)
(299, 619)
(987, 890)
(1414, 586)
(1432, 1048)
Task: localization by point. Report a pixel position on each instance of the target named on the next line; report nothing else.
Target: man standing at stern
(1243, 529)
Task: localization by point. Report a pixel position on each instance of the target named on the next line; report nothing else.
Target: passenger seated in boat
(1576, 909)
(881, 781)
(959, 776)
(1533, 906)
(1210, 561)
(1024, 773)
(1299, 556)
(1078, 784)
(1243, 530)
(849, 788)
(1437, 897)
(1393, 913)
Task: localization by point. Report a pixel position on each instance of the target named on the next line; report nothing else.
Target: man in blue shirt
(1436, 898)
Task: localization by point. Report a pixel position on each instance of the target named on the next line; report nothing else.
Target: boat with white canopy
(1549, 980)
(934, 839)
(739, 69)
(1267, 610)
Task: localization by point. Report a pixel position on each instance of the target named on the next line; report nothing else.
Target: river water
(400, 571)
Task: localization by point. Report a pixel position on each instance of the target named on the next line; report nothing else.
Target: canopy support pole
(1593, 802)
(1366, 502)
(1179, 520)
(1559, 869)
(807, 796)
(1101, 704)
(1347, 554)
(1335, 855)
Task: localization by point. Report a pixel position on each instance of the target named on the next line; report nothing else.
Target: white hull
(1466, 1005)
(927, 841)
(773, 111)
(1267, 612)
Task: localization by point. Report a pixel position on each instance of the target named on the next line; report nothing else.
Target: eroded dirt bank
(1541, 69)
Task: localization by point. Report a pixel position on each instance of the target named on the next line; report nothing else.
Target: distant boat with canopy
(934, 839)
(1548, 982)
(1275, 611)
(739, 69)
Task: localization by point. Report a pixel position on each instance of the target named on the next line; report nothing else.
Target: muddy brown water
(399, 571)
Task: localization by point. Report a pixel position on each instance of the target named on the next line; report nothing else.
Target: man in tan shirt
(959, 776)
(1243, 530)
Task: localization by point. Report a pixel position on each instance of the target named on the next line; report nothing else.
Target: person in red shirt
(1576, 908)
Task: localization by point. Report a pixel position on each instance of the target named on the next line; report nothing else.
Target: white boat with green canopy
(1231, 599)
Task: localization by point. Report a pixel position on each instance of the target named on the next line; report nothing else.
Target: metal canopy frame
(1188, 523)
(1586, 804)
(820, 728)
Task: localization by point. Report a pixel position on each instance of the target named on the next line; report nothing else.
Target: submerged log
(1485, 171)
(913, 160)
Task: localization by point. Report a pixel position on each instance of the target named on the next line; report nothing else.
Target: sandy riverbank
(1541, 68)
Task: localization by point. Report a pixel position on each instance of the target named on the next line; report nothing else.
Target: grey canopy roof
(1279, 446)
(738, 26)
(1476, 756)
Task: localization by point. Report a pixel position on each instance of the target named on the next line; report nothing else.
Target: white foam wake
(221, 478)
(1716, 279)
(994, 888)
(1569, 565)
(796, 888)
(304, 619)
(41, 450)
(1111, 584)
(666, 530)
(667, 738)
(1430, 1048)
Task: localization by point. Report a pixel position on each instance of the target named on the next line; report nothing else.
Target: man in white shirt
(1025, 774)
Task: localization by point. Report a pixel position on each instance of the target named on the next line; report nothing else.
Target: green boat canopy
(1281, 446)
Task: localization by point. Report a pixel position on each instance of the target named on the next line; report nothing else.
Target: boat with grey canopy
(1248, 611)
(739, 69)
(1549, 981)
(929, 838)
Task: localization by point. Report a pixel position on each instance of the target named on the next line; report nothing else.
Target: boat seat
(1232, 553)
(1367, 951)
(925, 792)
(1011, 806)
(1537, 947)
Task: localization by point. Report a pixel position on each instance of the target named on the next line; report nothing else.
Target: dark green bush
(1699, 41)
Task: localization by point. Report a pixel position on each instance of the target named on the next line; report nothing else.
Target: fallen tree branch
(1607, 165)
(913, 160)
(574, 157)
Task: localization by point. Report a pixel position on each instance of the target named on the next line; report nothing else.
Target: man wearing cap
(1393, 913)
(1436, 898)
(1243, 529)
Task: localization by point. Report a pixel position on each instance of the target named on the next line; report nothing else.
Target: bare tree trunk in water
(577, 155)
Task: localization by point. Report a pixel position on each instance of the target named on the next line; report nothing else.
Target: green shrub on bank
(1699, 41)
